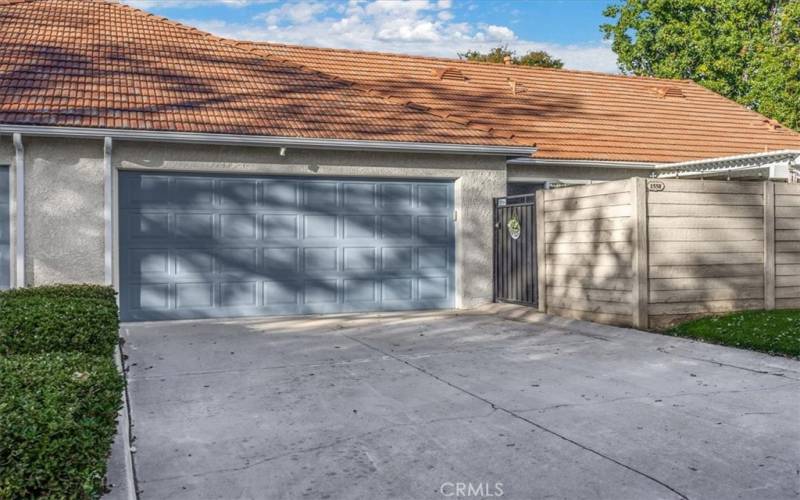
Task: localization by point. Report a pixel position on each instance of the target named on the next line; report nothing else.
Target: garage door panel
(396, 195)
(281, 260)
(222, 245)
(280, 195)
(238, 226)
(320, 195)
(194, 294)
(433, 228)
(359, 259)
(360, 226)
(237, 260)
(192, 192)
(358, 195)
(281, 226)
(237, 193)
(190, 262)
(238, 293)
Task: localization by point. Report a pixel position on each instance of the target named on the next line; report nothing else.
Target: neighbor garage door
(195, 246)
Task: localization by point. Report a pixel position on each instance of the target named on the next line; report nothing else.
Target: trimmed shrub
(57, 422)
(34, 324)
(84, 291)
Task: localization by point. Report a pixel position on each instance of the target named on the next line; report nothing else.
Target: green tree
(746, 50)
(499, 54)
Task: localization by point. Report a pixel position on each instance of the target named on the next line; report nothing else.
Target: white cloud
(424, 27)
(500, 33)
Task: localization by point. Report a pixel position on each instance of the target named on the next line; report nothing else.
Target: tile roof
(568, 114)
(93, 63)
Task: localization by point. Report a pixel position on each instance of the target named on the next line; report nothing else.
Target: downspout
(19, 203)
(108, 203)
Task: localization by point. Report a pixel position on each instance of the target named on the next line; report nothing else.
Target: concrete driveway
(430, 405)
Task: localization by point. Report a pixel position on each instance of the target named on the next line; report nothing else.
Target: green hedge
(57, 422)
(83, 291)
(33, 324)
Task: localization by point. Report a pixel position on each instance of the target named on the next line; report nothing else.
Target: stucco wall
(477, 180)
(563, 172)
(64, 228)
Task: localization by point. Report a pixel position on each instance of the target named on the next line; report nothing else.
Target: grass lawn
(774, 332)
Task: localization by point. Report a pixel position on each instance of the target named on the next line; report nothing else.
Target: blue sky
(568, 29)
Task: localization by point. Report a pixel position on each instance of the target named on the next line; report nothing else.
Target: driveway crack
(663, 350)
(335, 442)
(517, 416)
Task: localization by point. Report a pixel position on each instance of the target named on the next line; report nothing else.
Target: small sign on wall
(655, 186)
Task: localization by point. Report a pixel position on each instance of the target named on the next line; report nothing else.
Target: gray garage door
(5, 230)
(195, 246)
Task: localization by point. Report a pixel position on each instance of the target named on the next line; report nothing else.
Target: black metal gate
(515, 268)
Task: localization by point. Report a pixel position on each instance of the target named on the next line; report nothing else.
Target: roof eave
(582, 163)
(267, 141)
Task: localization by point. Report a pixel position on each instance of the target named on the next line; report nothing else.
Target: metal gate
(515, 267)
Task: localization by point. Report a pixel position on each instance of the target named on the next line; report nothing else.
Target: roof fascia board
(522, 162)
(266, 141)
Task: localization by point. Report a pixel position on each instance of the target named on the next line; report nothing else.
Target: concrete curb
(125, 485)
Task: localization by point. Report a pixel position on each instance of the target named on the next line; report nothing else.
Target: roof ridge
(464, 61)
(249, 48)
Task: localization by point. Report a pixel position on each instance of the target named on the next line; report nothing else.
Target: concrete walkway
(411, 405)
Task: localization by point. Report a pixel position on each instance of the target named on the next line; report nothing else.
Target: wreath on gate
(514, 227)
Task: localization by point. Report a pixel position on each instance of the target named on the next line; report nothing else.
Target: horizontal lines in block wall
(711, 187)
(713, 271)
(589, 294)
(603, 247)
(589, 282)
(705, 210)
(584, 191)
(589, 305)
(705, 295)
(706, 234)
(704, 247)
(600, 236)
(700, 221)
(608, 200)
(708, 307)
(673, 198)
(688, 284)
(705, 259)
(591, 225)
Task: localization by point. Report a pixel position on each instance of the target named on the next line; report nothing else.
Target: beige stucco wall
(64, 197)
(569, 173)
(64, 230)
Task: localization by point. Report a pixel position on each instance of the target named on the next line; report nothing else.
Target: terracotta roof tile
(568, 114)
(92, 63)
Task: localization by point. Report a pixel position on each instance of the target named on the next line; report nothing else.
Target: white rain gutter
(581, 163)
(268, 141)
(108, 206)
(19, 208)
